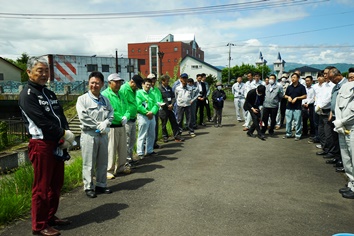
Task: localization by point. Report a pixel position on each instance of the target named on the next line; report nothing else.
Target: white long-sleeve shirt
(238, 90)
(323, 95)
(310, 99)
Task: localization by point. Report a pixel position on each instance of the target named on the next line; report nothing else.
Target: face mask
(271, 81)
(219, 87)
(283, 80)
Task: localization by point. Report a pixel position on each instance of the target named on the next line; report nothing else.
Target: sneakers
(245, 129)
(165, 139)
(110, 176)
(192, 134)
(297, 138)
(277, 127)
(319, 146)
(126, 169)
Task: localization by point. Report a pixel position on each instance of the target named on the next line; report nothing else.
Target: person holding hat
(147, 109)
(218, 97)
(117, 137)
(128, 93)
(184, 100)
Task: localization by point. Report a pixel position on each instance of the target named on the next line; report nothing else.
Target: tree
(241, 71)
(21, 62)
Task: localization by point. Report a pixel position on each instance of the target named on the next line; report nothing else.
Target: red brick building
(161, 56)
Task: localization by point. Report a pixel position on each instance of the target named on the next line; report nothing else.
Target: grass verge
(16, 190)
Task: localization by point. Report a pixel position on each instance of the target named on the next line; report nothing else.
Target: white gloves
(102, 126)
(124, 120)
(318, 110)
(69, 136)
(339, 130)
(65, 145)
(338, 124)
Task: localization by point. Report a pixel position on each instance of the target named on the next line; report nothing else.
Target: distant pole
(229, 44)
(117, 61)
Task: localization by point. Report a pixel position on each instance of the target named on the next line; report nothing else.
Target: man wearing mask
(273, 95)
(219, 97)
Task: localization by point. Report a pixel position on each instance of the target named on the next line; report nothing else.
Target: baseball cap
(114, 77)
(138, 80)
(184, 75)
(151, 76)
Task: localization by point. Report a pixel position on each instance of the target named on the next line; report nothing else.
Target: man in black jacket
(49, 139)
(166, 113)
(254, 100)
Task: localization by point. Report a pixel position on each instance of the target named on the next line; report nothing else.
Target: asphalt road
(221, 182)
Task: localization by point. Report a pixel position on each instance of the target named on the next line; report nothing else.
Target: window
(105, 68)
(92, 67)
(175, 49)
(187, 51)
(139, 50)
(133, 50)
(194, 66)
(1, 76)
(169, 60)
(130, 69)
(119, 68)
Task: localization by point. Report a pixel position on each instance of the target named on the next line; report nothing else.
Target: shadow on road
(110, 210)
(131, 184)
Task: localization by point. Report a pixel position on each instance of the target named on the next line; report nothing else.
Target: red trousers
(47, 183)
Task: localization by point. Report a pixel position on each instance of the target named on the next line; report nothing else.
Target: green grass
(16, 190)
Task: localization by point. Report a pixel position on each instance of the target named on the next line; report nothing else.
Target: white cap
(151, 76)
(114, 77)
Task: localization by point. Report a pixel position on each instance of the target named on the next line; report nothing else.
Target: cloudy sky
(303, 31)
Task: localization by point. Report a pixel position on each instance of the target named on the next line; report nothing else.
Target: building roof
(306, 69)
(279, 60)
(203, 62)
(176, 38)
(2, 59)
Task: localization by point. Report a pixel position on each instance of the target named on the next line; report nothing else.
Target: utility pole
(117, 61)
(229, 44)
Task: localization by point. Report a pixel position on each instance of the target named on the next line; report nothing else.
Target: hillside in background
(343, 67)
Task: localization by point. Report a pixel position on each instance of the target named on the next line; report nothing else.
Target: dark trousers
(217, 116)
(165, 116)
(255, 122)
(200, 106)
(156, 127)
(272, 113)
(282, 108)
(328, 138)
(47, 183)
(316, 118)
(307, 114)
(181, 111)
(207, 107)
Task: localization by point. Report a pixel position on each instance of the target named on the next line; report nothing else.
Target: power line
(243, 6)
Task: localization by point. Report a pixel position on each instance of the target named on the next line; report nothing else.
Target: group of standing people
(109, 121)
(323, 112)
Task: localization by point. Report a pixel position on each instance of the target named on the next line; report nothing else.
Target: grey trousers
(346, 143)
(94, 149)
